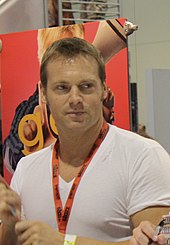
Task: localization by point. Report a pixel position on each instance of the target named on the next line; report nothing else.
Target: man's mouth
(75, 113)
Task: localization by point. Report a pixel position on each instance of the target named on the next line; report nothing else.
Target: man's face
(75, 92)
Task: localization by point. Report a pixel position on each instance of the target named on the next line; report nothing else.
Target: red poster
(20, 59)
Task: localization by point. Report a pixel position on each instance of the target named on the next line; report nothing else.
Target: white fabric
(70, 239)
(64, 189)
(127, 174)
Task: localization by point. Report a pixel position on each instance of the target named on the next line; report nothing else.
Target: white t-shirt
(127, 174)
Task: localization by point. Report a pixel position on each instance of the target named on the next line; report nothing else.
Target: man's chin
(76, 124)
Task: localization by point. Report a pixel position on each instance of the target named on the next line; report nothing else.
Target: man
(110, 38)
(97, 182)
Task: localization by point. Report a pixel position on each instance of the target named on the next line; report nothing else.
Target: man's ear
(44, 100)
(104, 96)
(42, 94)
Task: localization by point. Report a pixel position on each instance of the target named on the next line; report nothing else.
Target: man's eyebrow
(61, 82)
(88, 80)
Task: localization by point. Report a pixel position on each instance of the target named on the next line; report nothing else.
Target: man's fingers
(145, 233)
(140, 237)
(22, 226)
(162, 239)
(23, 233)
(133, 241)
(149, 229)
(2, 186)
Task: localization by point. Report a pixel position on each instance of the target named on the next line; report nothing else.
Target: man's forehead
(64, 59)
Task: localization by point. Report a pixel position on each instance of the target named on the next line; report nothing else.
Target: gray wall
(20, 15)
(158, 105)
(149, 47)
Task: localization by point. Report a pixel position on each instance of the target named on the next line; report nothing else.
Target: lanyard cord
(62, 215)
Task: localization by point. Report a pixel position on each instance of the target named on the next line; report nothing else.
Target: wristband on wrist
(70, 239)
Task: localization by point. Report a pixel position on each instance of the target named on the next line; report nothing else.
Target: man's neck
(75, 146)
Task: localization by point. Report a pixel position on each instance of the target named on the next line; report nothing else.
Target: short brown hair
(70, 47)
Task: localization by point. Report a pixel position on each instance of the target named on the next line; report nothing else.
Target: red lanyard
(62, 215)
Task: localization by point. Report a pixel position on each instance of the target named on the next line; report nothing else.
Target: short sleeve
(149, 179)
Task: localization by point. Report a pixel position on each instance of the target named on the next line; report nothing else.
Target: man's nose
(75, 96)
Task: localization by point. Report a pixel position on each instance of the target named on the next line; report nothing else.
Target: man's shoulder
(128, 139)
(32, 166)
(36, 157)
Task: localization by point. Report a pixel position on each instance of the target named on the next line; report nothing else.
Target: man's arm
(144, 224)
(144, 221)
(7, 236)
(41, 233)
(152, 214)
(88, 241)
(10, 211)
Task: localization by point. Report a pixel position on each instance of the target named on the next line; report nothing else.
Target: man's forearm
(88, 241)
(7, 236)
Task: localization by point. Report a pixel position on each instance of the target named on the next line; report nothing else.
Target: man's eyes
(86, 86)
(62, 87)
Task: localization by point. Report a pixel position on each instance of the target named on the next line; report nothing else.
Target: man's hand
(10, 205)
(146, 234)
(35, 232)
